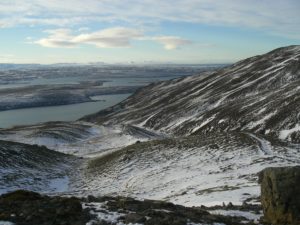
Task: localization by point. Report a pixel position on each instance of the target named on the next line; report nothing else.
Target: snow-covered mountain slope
(260, 94)
(194, 170)
(33, 167)
(203, 138)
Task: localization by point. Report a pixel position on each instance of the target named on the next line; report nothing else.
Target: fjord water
(109, 76)
(57, 113)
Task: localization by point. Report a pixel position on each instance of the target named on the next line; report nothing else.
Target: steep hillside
(260, 94)
(33, 167)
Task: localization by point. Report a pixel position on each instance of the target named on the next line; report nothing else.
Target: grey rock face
(280, 195)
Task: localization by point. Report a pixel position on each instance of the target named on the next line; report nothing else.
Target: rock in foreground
(30, 208)
(280, 195)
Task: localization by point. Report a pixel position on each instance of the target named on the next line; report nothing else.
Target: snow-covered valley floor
(190, 171)
(130, 161)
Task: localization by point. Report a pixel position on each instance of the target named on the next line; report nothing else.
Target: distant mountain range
(12, 66)
(6, 66)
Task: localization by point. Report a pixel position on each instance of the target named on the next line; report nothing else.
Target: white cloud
(276, 17)
(53, 43)
(108, 38)
(171, 42)
(59, 38)
(116, 37)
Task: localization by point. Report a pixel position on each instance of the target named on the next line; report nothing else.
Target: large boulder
(280, 195)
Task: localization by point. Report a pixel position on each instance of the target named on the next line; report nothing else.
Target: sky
(144, 31)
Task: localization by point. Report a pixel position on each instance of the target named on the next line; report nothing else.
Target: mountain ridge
(260, 94)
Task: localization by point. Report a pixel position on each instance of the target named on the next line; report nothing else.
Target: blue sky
(144, 31)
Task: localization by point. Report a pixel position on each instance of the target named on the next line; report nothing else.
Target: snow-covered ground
(249, 215)
(79, 138)
(34, 168)
(31, 170)
(192, 171)
(6, 223)
(102, 213)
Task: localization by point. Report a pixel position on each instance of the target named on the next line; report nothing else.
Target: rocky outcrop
(30, 208)
(280, 195)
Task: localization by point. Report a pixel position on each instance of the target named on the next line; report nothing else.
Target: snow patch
(102, 214)
(6, 223)
(285, 133)
(59, 184)
(261, 121)
(248, 215)
(204, 123)
(221, 121)
(265, 146)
